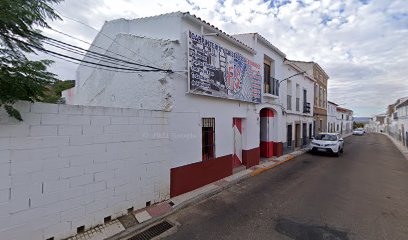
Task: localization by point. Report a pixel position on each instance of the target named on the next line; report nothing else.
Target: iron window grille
(208, 138)
(306, 108)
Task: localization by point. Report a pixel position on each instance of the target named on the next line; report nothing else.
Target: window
(306, 105)
(289, 97)
(208, 138)
(310, 130)
(289, 103)
(267, 76)
(326, 137)
(321, 126)
(297, 97)
(289, 136)
(271, 85)
(321, 97)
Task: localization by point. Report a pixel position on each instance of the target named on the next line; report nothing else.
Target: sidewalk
(399, 145)
(127, 225)
(142, 218)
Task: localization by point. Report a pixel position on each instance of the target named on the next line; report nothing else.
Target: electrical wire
(91, 44)
(103, 55)
(89, 66)
(96, 46)
(79, 60)
(114, 40)
(89, 56)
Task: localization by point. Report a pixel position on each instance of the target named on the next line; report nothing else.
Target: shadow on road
(301, 231)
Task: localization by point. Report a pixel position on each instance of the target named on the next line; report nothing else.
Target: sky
(361, 44)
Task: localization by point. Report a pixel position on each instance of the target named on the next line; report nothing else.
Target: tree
(358, 125)
(21, 78)
(53, 92)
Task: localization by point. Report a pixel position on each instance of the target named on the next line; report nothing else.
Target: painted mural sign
(217, 71)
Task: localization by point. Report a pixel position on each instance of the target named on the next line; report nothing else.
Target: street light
(291, 76)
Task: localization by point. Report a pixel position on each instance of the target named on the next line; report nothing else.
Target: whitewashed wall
(332, 117)
(292, 116)
(67, 166)
(275, 103)
(163, 41)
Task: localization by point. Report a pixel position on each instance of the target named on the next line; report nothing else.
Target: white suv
(327, 142)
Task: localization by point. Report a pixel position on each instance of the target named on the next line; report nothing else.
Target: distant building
(377, 123)
(344, 120)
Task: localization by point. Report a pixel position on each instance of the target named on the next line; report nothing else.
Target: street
(363, 194)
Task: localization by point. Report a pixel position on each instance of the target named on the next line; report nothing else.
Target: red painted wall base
(250, 157)
(278, 149)
(267, 149)
(189, 177)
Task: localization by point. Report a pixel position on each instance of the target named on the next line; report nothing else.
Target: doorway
(266, 143)
(297, 135)
(304, 134)
(237, 131)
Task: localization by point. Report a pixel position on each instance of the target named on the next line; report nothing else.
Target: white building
(226, 106)
(299, 107)
(396, 121)
(401, 118)
(332, 117)
(377, 123)
(344, 120)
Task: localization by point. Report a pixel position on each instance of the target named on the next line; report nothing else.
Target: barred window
(208, 138)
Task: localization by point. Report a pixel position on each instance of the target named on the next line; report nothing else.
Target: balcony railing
(289, 103)
(306, 108)
(272, 87)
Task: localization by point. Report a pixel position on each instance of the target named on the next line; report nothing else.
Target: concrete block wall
(67, 166)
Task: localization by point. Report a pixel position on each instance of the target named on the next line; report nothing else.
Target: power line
(89, 66)
(105, 56)
(114, 40)
(91, 44)
(102, 59)
(79, 60)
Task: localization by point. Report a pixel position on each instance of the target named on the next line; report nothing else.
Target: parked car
(327, 142)
(359, 131)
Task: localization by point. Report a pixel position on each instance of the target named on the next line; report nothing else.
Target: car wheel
(342, 149)
(337, 154)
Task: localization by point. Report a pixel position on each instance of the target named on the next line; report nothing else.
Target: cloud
(360, 43)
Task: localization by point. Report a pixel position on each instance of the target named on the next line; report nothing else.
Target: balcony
(306, 108)
(272, 87)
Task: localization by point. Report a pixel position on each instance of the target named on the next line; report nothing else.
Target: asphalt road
(363, 194)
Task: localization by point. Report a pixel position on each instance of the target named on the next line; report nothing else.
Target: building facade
(331, 117)
(320, 94)
(299, 107)
(344, 120)
(226, 105)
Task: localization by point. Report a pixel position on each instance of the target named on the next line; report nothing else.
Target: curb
(187, 199)
(398, 144)
(202, 193)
